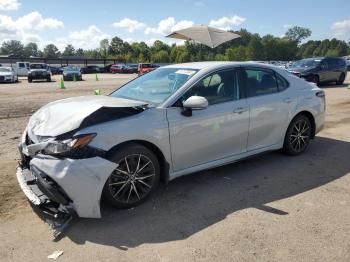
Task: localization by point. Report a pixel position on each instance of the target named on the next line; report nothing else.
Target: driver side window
(217, 88)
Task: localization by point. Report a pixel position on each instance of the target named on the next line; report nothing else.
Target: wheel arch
(164, 165)
(310, 116)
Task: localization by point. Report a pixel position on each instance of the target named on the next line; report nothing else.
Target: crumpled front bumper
(68, 185)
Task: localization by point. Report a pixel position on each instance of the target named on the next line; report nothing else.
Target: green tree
(51, 51)
(69, 50)
(297, 33)
(12, 47)
(104, 47)
(31, 49)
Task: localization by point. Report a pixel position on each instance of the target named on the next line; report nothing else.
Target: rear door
(269, 106)
(325, 72)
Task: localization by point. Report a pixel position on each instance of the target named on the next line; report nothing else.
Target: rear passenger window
(281, 83)
(260, 82)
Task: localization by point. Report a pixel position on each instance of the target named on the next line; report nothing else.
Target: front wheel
(298, 136)
(341, 79)
(134, 179)
(48, 79)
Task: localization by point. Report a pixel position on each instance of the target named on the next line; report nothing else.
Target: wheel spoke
(144, 177)
(138, 164)
(121, 171)
(120, 189)
(143, 167)
(135, 190)
(127, 165)
(127, 200)
(144, 183)
(118, 183)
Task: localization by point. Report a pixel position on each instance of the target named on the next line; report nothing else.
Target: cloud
(9, 5)
(22, 28)
(168, 25)
(226, 23)
(129, 24)
(86, 38)
(341, 29)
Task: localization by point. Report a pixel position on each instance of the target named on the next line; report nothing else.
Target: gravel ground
(270, 208)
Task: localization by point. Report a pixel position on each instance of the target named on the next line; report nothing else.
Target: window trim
(239, 80)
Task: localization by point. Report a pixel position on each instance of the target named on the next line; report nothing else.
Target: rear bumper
(65, 186)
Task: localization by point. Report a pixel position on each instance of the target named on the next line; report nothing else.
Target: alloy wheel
(300, 135)
(133, 179)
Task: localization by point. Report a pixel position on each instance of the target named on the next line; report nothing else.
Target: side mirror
(194, 103)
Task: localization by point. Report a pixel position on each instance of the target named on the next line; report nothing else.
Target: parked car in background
(176, 120)
(22, 68)
(107, 68)
(121, 69)
(134, 68)
(348, 64)
(71, 73)
(56, 70)
(91, 69)
(144, 68)
(320, 70)
(8, 75)
(39, 71)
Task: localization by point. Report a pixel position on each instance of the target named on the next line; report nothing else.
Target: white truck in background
(22, 68)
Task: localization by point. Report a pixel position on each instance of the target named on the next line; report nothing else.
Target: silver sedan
(176, 120)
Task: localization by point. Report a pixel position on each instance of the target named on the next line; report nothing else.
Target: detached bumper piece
(47, 197)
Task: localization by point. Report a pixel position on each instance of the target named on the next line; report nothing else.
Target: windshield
(307, 63)
(155, 86)
(3, 69)
(38, 66)
(71, 68)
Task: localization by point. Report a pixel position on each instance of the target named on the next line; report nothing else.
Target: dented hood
(71, 114)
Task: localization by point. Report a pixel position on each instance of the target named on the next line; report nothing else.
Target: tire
(48, 79)
(125, 188)
(341, 79)
(316, 80)
(30, 80)
(298, 136)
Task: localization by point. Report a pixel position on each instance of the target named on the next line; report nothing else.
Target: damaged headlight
(63, 146)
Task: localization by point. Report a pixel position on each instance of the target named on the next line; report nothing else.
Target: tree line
(249, 47)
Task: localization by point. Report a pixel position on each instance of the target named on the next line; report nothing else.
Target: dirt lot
(270, 208)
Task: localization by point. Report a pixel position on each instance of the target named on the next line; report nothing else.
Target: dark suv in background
(320, 70)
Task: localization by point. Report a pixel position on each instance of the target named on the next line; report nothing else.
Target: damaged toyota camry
(176, 120)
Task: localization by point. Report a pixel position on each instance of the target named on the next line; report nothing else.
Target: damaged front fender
(82, 180)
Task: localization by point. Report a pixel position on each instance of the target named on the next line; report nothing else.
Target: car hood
(64, 117)
(38, 70)
(6, 74)
(301, 69)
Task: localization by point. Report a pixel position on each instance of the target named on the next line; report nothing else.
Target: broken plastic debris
(55, 254)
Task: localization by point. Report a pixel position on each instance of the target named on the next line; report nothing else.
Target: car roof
(216, 65)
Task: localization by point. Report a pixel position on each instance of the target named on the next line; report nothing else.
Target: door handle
(288, 100)
(239, 110)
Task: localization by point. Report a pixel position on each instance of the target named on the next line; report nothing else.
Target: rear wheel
(30, 80)
(341, 79)
(135, 178)
(298, 136)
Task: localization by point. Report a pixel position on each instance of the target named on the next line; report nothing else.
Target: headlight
(64, 73)
(63, 146)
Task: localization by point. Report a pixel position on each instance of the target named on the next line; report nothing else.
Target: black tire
(341, 79)
(316, 79)
(298, 136)
(125, 188)
(30, 80)
(49, 79)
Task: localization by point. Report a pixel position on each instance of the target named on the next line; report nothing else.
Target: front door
(214, 133)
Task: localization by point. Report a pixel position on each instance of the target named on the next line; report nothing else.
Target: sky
(83, 23)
